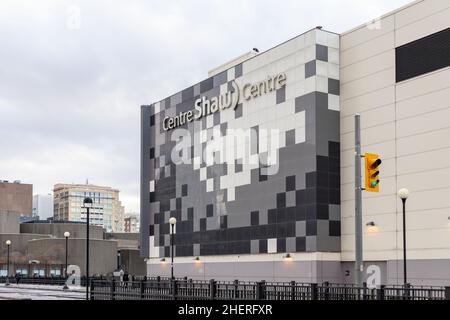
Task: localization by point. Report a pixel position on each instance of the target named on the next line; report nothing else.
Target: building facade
(107, 210)
(257, 161)
(16, 196)
(43, 206)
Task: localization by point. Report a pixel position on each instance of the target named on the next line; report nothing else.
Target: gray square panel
(310, 69)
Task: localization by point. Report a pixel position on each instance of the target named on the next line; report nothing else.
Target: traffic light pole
(359, 267)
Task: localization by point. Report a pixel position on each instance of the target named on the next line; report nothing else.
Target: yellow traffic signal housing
(373, 162)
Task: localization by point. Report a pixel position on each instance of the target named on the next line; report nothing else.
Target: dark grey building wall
(132, 262)
(295, 210)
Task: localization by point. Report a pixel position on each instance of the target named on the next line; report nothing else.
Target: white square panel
(333, 55)
(196, 163)
(300, 135)
(203, 174)
(322, 84)
(321, 68)
(152, 185)
(322, 37)
(209, 185)
(231, 194)
(272, 245)
(231, 74)
(333, 102)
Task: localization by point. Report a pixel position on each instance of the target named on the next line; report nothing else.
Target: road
(40, 292)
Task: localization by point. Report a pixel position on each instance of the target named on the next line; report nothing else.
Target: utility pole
(359, 266)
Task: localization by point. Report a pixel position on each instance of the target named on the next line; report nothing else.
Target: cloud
(74, 73)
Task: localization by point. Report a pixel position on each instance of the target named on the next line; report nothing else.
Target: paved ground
(40, 292)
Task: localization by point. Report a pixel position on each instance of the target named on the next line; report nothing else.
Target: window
(38, 272)
(55, 272)
(22, 271)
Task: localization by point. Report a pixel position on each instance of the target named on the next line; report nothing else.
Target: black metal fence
(183, 289)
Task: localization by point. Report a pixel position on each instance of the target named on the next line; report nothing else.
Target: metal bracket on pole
(359, 266)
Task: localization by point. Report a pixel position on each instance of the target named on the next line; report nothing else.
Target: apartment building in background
(107, 210)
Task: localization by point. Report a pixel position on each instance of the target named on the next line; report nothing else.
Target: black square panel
(202, 224)
(209, 210)
(335, 228)
(152, 153)
(184, 190)
(263, 246)
(311, 227)
(322, 211)
(281, 245)
(281, 200)
(300, 213)
(300, 244)
(190, 214)
(152, 120)
(290, 183)
(300, 197)
(254, 218)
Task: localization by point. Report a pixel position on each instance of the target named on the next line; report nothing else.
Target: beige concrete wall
(57, 229)
(103, 253)
(18, 248)
(408, 124)
(9, 222)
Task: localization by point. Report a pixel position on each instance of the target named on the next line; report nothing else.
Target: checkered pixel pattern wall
(233, 207)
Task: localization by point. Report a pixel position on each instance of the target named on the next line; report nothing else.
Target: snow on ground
(40, 292)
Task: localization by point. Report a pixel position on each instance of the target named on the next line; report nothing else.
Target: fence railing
(183, 289)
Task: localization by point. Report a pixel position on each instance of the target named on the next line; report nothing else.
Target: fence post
(292, 290)
(236, 288)
(174, 289)
(447, 293)
(380, 292)
(406, 291)
(91, 289)
(212, 289)
(113, 288)
(364, 291)
(260, 290)
(142, 283)
(327, 290)
(314, 293)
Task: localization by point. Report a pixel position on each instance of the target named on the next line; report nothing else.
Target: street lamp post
(8, 244)
(66, 235)
(403, 194)
(172, 222)
(87, 202)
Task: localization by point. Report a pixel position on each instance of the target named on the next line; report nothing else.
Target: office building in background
(43, 206)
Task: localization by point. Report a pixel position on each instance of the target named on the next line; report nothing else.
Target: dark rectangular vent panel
(423, 55)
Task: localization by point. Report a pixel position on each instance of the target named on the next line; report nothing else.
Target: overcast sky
(73, 74)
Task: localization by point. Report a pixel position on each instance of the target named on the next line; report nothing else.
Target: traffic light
(372, 172)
